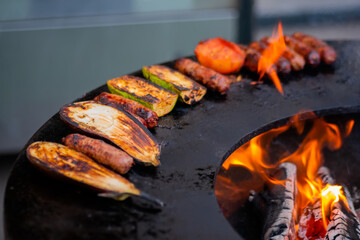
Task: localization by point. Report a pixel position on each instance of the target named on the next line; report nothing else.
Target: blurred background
(52, 52)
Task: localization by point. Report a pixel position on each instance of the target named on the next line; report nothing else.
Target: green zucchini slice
(188, 90)
(159, 99)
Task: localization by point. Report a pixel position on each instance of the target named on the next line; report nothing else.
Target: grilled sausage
(252, 58)
(311, 56)
(327, 53)
(145, 115)
(211, 79)
(100, 151)
(282, 64)
(296, 60)
(110, 102)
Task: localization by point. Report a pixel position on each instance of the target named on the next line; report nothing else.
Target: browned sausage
(100, 151)
(145, 115)
(211, 79)
(252, 58)
(311, 56)
(296, 60)
(282, 64)
(327, 53)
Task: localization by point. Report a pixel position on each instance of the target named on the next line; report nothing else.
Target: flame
(348, 128)
(253, 155)
(270, 55)
(308, 157)
(329, 196)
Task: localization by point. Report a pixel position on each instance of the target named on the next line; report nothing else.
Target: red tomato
(221, 55)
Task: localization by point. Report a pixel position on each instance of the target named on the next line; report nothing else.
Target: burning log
(325, 176)
(280, 221)
(344, 223)
(311, 225)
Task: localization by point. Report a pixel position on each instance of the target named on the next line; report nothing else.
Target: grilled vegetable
(116, 126)
(159, 99)
(221, 55)
(211, 79)
(327, 53)
(188, 90)
(311, 56)
(59, 160)
(100, 151)
(112, 104)
(145, 115)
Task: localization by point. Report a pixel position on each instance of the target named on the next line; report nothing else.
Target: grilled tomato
(221, 55)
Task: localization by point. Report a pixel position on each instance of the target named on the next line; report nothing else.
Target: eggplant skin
(150, 119)
(114, 125)
(61, 161)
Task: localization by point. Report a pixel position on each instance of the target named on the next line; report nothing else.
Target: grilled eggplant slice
(150, 119)
(159, 99)
(188, 90)
(59, 160)
(116, 126)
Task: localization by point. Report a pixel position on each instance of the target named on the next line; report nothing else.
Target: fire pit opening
(296, 178)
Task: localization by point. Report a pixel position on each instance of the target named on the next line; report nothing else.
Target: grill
(195, 140)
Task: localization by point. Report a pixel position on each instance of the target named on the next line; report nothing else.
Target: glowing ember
(329, 196)
(270, 55)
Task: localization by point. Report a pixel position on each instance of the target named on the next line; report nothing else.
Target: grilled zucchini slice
(159, 99)
(62, 161)
(188, 90)
(116, 126)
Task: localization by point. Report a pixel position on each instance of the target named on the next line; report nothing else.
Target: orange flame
(329, 196)
(270, 55)
(253, 155)
(348, 128)
(308, 158)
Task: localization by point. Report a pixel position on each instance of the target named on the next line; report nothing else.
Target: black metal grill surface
(194, 141)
